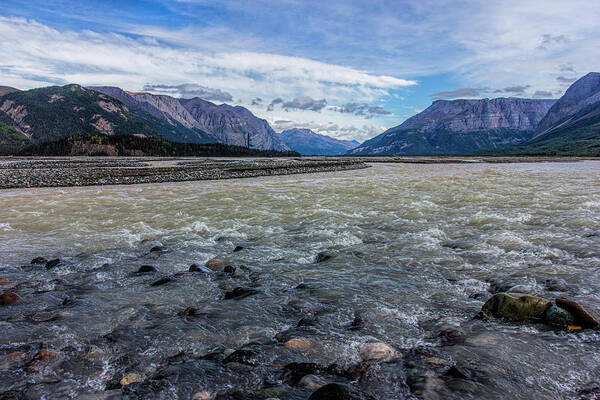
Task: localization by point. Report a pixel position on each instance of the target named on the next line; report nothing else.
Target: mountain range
(309, 143)
(227, 124)
(56, 112)
(571, 126)
(461, 127)
(567, 126)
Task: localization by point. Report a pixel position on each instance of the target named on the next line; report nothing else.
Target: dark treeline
(129, 145)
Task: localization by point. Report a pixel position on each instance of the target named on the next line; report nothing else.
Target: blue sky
(349, 69)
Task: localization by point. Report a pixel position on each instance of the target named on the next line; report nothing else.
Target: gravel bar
(73, 171)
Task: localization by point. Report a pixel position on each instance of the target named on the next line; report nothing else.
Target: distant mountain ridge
(234, 125)
(571, 126)
(581, 94)
(227, 124)
(460, 127)
(309, 143)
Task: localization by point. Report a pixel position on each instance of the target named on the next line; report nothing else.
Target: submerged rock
(379, 352)
(229, 269)
(338, 391)
(162, 281)
(4, 281)
(9, 298)
(311, 381)
(199, 268)
(39, 260)
(323, 256)
(299, 344)
(57, 262)
(41, 358)
(512, 285)
(216, 264)
(240, 292)
(157, 249)
(246, 357)
(556, 285)
(294, 372)
(146, 268)
(517, 306)
(581, 315)
(238, 248)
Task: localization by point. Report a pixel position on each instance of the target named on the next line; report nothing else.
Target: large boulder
(517, 306)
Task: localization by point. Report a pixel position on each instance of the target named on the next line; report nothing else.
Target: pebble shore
(72, 171)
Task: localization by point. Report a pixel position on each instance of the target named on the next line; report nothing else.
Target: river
(406, 255)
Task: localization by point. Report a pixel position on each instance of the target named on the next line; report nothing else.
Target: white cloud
(37, 55)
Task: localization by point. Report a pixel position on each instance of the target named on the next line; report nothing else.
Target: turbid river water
(399, 254)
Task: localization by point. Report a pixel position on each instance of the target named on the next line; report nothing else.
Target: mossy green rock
(517, 306)
(559, 316)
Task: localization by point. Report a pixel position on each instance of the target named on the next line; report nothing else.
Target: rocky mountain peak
(582, 93)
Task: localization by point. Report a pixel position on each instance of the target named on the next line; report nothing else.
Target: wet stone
(131, 378)
(240, 293)
(162, 281)
(514, 285)
(229, 269)
(57, 262)
(294, 372)
(556, 285)
(517, 306)
(157, 249)
(378, 351)
(146, 268)
(9, 298)
(39, 260)
(323, 256)
(312, 382)
(216, 264)
(199, 268)
(298, 344)
(338, 391)
(4, 281)
(246, 357)
(238, 248)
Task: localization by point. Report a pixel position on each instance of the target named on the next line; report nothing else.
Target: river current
(402, 254)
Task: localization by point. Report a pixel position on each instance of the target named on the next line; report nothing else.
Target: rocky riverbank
(57, 172)
(123, 362)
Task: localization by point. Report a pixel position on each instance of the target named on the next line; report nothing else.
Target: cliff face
(226, 124)
(571, 127)
(461, 127)
(233, 125)
(581, 94)
(307, 142)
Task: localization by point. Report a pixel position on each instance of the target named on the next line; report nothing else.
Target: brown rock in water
(378, 351)
(4, 281)
(9, 298)
(517, 306)
(131, 378)
(298, 344)
(581, 315)
(41, 357)
(216, 264)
